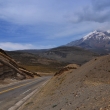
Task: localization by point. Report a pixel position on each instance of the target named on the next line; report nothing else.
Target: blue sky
(37, 24)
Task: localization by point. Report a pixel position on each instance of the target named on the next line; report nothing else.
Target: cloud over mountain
(98, 11)
(42, 21)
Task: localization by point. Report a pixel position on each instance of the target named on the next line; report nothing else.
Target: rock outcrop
(10, 69)
(67, 68)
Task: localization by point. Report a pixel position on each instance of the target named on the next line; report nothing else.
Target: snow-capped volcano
(96, 40)
(98, 35)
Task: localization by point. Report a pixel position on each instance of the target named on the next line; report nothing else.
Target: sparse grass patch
(95, 59)
(94, 67)
(52, 93)
(28, 103)
(54, 106)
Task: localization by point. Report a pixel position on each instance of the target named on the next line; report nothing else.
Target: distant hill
(64, 54)
(34, 51)
(97, 41)
(34, 62)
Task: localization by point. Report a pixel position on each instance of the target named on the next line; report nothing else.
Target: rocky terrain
(9, 69)
(78, 88)
(97, 41)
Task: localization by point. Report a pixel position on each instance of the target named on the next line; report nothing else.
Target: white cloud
(15, 46)
(79, 28)
(96, 12)
(50, 19)
(30, 12)
(18, 46)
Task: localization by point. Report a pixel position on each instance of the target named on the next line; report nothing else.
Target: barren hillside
(65, 54)
(85, 88)
(36, 63)
(10, 69)
(51, 60)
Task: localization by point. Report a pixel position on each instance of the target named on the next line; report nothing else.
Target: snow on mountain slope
(99, 41)
(108, 31)
(97, 35)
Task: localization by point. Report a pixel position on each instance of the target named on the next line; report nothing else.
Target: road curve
(12, 94)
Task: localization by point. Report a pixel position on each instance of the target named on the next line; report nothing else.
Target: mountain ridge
(97, 41)
(65, 54)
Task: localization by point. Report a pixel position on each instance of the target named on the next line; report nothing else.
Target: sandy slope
(85, 88)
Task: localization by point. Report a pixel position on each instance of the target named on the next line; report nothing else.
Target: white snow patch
(108, 31)
(97, 35)
(89, 35)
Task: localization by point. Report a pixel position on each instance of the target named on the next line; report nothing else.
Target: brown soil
(85, 88)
